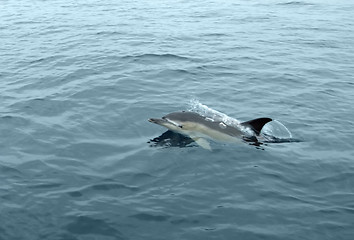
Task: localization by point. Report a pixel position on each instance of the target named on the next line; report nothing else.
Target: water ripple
(84, 225)
(79, 79)
(101, 187)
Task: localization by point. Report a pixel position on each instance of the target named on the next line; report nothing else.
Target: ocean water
(79, 79)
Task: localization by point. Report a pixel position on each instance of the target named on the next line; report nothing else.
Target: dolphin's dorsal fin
(256, 124)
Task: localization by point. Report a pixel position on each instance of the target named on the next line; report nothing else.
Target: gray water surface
(79, 79)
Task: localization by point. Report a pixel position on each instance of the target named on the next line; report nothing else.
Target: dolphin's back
(256, 125)
(185, 117)
(208, 122)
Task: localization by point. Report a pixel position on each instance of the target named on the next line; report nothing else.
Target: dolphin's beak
(164, 122)
(158, 121)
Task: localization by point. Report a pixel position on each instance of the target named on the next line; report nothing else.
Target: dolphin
(200, 128)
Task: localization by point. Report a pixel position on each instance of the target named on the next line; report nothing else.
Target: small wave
(272, 139)
(156, 57)
(296, 3)
(83, 225)
(216, 35)
(277, 129)
(276, 132)
(10, 171)
(151, 217)
(106, 186)
(111, 33)
(45, 107)
(45, 185)
(14, 120)
(335, 177)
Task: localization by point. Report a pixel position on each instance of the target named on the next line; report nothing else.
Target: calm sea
(79, 79)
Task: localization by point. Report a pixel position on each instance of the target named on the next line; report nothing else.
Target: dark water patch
(217, 35)
(109, 33)
(277, 176)
(107, 186)
(295, 3)
(285, 199)
(156, 58)
(31, 224)
(112, 186)
(186, 220)
(45, 185)
(217, 68)
(85, 225)
(337, 210)
(46, 60)
(35, 168)
(141, 176)
(75, 194)
(45, 107)
(151, 217)
(13, 120)
(329, 225)
(88, 150)
(347, 177)
(10, 171)
(80, 73)
(59, 236)
(24, 22)
(180, 72)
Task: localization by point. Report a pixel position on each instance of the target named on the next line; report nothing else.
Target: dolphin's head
(178, 121)
(167, 123)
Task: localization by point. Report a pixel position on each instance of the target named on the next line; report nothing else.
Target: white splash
(277, 129)
(211, 114)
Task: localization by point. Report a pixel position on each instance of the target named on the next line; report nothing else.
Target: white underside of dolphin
(200, 128)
